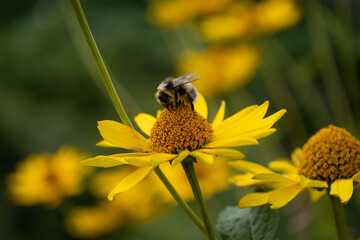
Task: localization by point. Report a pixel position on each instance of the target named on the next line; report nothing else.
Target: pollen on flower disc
(332, 153)
(179, 128)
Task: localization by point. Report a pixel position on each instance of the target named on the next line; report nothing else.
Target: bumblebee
(177, 91)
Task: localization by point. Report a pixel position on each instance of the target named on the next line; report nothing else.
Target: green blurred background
(51, 94)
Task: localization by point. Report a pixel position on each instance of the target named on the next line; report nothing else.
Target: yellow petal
(343, 189)
(207, 158)
(180, 157)
(251, 125)
(295, 156)
(159, 158)
(122, 136)
(131, 180)
(224, 152)
(201, 106)
(272, 177)
(306, 182)
(145, 122)
(104, 143)
(231, 142)
(315, 194)
(245, 166)
(103, 161)
(356, 177)
(281, 196)
(254, 199)
(219, 117)
(283, 166)
(136, 159)
(246, 180)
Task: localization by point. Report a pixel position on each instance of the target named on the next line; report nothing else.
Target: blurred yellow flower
(179, 132)
(46, 179)
(329, 160)
(246, 18)
(170, 13)
(91, 222)
(147, 200)
(212, 179)
(142, 202)
(225, 67)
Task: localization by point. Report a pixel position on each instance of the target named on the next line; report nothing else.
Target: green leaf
(258, 223)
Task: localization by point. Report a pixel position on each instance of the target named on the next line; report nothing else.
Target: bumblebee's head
(166, 85)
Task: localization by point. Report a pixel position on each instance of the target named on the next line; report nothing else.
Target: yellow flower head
(170, 13)
(147, 200)
(91, 222)
(329, 160)
(46, 179)
(225, 67)
(171, 140)
(246, 18)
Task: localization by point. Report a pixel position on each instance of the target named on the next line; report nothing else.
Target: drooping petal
(207, 158)
(273, 177)
(315, 194)
(283, 166)
(224, 152)
(201, 106)
(306, 182)
(245, 166)
(122, 136)
(104, 143)
(103, 161)
(130, 181)
(231, 142)
(246, 180)
(343, 189)
(117, 159)
(219, 117)
(145, 122)
(159, 158)
(180, 157)
(281, 196)
(356, 177)
(254, 199)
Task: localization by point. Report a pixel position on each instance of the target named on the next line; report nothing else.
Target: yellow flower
(180, 132)
(170, 13)
(225, 67)
(212, 179)
(329, 160)
(244, 19)
(145, 201)
(46, 179)
(91, 222)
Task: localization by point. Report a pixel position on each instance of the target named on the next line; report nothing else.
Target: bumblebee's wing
(184, 79)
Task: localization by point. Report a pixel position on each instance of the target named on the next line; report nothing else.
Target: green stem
(179, 200)
(340, 221)
(100, 62)
(188, 165)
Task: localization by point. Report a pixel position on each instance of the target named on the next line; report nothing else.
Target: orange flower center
(332, 153)
(179, 128)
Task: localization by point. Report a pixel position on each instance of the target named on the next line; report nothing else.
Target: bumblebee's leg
(176, 99)
(192, 106)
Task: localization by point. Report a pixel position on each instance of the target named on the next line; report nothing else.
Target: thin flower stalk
(100, 62)
(340, 222)
(179, 200)
(188, 165)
